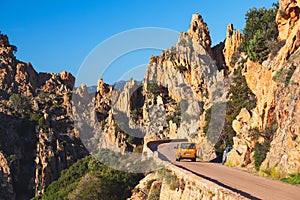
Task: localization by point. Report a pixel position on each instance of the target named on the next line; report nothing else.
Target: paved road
(246, 184)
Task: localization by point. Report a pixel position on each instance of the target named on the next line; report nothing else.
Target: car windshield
(187, 146)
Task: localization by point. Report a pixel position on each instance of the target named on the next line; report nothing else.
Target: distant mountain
(92, 89)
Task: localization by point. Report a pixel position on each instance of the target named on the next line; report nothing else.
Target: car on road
(186, 150)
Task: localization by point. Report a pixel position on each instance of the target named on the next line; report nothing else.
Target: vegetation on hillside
(175, 117)
(240, 96)
(260, 33)
(261, 149)
(153, 88)
(292, 179)
(90, 179)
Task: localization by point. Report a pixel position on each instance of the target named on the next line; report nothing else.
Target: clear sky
(58, 35)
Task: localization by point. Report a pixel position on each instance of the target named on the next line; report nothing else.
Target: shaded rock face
(218, 56)
(38, 139)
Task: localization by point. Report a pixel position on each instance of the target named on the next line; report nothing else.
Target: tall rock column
(232, 43)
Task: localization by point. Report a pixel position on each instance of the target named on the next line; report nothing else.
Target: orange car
(186, 150)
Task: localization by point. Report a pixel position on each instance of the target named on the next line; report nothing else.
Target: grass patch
(272, 173)
(292, 179)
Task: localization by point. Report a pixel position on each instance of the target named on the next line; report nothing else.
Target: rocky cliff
(169, 103)
(273, 122)
(186, 89)
(38, 138)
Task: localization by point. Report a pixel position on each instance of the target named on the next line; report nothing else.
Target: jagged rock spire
(232, 43)
(199, 31)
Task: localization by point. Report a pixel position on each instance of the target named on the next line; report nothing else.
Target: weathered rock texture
(288, 26)
(232, 42)
(287, 17)
(275, 84)
(192, 79)
(199, 32)
(169, 103)
(37, 136)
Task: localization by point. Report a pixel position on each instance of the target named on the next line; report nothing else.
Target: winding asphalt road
(246, 184)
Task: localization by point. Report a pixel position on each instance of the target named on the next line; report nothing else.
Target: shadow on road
(245, 194)
(218, 159)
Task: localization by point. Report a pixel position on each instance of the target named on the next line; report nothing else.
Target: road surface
(244, 183)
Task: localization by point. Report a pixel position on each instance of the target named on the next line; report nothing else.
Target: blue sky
(58, 35)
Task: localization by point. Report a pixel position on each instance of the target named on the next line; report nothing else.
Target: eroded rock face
(243, 143)
(275, 84)
(38, 138)
(185, 78)
(232, 42)
(260, 81)
(284, 154)
(191, 78)
(288, 26)
(199, 32)
(287, 17)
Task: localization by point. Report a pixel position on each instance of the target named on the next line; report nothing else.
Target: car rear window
(187, 146)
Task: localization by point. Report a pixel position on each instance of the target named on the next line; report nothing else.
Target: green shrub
(183, 42)
(138, 149)
(20, 104)
(292, 179)
(175, 117)
(68, 180)
(260, 30)
(153, 88)
(89, 179)
(207, 119)
(131, 139)
(117, 129)
(103, 123)
(34, 117)
(136, 113)
(261, 150)
(257, 49)
(42, 123)
(260, 153)
(240, 97)
(154, 195)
